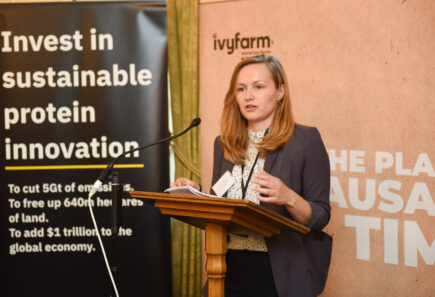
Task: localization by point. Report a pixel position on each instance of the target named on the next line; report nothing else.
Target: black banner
(80, 83)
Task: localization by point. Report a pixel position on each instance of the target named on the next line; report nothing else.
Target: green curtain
(182, 20)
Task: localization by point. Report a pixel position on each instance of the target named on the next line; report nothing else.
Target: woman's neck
(256, 127)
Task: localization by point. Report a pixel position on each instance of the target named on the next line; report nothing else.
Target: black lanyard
(245, 186)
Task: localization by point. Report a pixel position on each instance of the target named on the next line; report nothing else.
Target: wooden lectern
(215, 215)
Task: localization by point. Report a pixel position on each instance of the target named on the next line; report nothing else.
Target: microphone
(106, 172)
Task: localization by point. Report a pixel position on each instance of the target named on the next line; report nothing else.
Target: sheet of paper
(187, 190)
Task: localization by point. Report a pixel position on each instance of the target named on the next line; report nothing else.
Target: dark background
(126, 113)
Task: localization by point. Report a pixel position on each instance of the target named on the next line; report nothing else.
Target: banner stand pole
(116, 218)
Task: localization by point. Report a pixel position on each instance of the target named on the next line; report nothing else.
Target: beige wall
(46, 1)
(362, 72)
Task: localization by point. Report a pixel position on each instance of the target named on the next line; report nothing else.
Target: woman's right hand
(182, 181)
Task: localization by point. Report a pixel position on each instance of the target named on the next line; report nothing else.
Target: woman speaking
(281, 165)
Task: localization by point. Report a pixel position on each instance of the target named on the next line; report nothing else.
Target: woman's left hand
(278, 193)
(271, 186)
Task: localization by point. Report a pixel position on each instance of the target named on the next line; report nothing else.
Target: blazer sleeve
(316, 177)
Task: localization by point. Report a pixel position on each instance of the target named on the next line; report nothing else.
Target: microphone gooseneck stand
(117, 190)
(116, 220)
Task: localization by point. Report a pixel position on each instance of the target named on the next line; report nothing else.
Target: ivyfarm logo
(250, 45)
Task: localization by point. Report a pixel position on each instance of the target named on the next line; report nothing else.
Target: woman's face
(257, 95)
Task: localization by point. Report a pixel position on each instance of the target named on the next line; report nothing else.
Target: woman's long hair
(234, 127)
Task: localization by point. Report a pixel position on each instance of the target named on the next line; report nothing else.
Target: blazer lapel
(227, 165)
(270, 161)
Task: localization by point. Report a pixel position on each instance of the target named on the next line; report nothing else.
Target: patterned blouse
(241, 238)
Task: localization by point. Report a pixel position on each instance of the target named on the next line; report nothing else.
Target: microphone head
(195, 122)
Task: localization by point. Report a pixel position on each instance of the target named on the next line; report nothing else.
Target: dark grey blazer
(299, 262)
